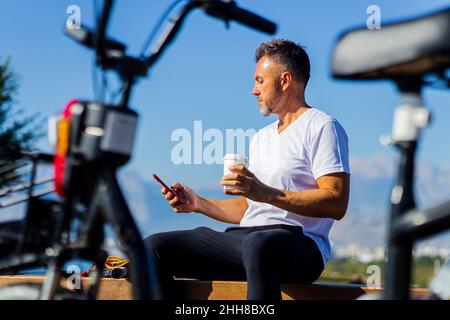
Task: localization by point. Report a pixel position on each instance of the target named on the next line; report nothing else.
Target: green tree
(17, 131)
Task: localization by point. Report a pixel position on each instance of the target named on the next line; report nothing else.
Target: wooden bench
(237, 290)
(120, 289)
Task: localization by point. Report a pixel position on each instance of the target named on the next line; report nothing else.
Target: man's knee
(258, 245)
(173, 241)
(156, 243)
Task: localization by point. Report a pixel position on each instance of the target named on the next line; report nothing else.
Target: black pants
(265, 256)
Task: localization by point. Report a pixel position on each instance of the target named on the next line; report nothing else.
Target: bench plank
(121, 289)
(237, 290)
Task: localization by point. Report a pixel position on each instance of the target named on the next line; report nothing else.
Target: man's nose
(256, 91)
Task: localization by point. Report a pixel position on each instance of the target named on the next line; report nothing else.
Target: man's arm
(329, 200)
(229, 210)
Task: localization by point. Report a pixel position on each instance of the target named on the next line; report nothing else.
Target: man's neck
(291, 114)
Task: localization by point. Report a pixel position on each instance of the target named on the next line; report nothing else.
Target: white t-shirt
(315, 144)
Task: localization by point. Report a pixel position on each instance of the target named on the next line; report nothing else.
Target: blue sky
(206, 74)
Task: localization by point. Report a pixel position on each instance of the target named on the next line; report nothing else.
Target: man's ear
(285, 80)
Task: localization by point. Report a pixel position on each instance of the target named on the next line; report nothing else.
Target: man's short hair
(289, 54)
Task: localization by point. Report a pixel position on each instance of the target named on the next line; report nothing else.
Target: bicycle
(408, 62)
(94, 140)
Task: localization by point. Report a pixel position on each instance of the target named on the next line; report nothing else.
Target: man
(285, 203)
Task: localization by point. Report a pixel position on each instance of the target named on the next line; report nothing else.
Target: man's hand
(246, 184)
(190, 203)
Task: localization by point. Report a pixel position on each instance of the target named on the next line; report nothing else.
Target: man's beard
(265, 111)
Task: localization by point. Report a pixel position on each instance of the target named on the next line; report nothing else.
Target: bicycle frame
(407, 224)
(106, 205)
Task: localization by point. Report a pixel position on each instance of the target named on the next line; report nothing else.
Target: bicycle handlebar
(97, 40)
(111, 53)
(230, 11)
(216, 8)
(86, 37)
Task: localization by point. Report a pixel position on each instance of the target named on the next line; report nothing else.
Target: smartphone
(177, 193)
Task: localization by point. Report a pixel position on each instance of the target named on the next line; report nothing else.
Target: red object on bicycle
(62, 145)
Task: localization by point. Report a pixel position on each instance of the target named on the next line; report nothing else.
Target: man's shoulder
(319, 117)
(319, 120)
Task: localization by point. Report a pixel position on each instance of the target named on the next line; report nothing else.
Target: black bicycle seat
(402, 49)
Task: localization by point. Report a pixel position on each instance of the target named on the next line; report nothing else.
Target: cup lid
(234, 156)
